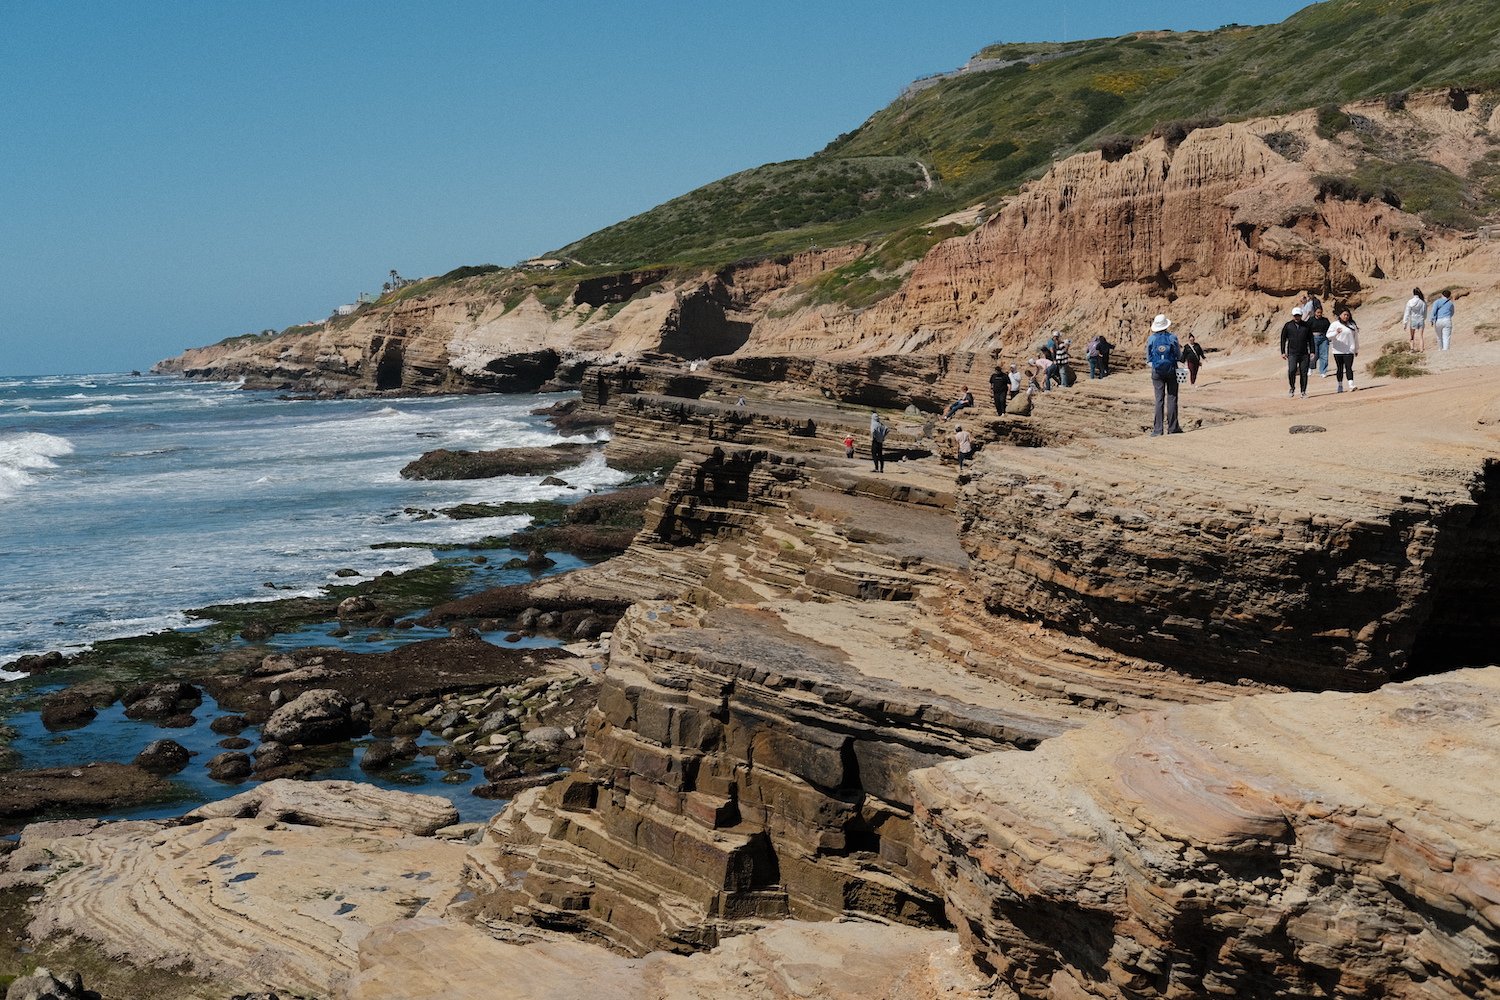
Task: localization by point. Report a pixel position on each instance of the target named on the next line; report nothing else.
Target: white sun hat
(1160, 323)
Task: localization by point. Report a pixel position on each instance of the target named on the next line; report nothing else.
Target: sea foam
(23, 453)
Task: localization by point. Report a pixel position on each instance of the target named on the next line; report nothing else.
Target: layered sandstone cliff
(1219, 228)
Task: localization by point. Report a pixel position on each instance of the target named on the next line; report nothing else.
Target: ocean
(126, 500)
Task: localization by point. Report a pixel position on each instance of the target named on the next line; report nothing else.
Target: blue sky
(175, 173)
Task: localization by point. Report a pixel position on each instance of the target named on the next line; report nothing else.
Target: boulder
(317, 716)
(229, 725)
(163, 757)
(550, 737)
(162, 700)
(44, 984)
(62, 711)
(357, 605)
(378, 756)
(230, 766)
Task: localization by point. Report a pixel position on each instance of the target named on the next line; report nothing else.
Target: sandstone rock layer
(1277, 845)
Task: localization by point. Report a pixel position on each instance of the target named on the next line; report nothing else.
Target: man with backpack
(1162, 354)
(877, 441)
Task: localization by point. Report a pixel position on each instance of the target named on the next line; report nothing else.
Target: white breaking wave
(24, 453)
(86, 411)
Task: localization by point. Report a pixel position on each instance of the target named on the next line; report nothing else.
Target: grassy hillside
(980, 134)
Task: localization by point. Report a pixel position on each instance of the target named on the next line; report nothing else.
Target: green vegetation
(1397, 360)
(879, 272)
(1421, 187)
(980, 134)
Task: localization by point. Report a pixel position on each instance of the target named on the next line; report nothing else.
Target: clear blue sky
(178, 172)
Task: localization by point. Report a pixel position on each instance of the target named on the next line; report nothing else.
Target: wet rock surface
(89, 788)
(446, 464)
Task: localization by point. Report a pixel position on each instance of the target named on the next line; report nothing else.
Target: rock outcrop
(349, 805)
(1281, 845)
(1220, 227)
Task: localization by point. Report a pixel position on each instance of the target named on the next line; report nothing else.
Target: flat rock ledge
(351, 805)
(247, 899)
(1280, 845)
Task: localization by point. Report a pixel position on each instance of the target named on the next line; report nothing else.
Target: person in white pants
(1442, 318)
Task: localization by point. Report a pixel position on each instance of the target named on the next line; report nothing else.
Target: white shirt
(1015, 381)
(965, 443)
(1416, 312)
(1343, 339)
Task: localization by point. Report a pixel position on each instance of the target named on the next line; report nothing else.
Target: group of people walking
(1309, 337)
(1418, 316)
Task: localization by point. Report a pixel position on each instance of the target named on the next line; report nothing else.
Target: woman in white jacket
(1343, 341)
(1414, 319)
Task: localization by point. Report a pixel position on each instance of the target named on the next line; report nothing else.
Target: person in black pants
(1297, 349)
(1000, 387)
(877, 442)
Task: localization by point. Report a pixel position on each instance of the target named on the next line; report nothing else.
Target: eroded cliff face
(1219, 230)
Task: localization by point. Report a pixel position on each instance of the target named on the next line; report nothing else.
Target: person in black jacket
(1192, 356)
(1297, 349)
(1000, 387)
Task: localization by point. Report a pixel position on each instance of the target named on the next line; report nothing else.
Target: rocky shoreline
(889, 720)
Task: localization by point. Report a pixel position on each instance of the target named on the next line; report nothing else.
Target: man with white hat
(1297, 349)
(1162, 354)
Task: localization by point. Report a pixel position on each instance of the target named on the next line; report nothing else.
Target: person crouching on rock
(877, 442)
(965, 399)
(1162, 354)
(1000, 389)
(965, 445)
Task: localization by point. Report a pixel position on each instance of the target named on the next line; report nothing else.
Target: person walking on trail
(1414, 320)
(849, 445)
(1162, 354)
(1442, 318)
(965, 445)
(1343, 340)
(1000, 389)
(1310, 304)
(877, 442)
(1192, 356)
(1014, 377)
(1319, 324)
(1297, 350)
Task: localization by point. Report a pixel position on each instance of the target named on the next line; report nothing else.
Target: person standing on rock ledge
(1162, 354)
(877, 441)
(1000, 389)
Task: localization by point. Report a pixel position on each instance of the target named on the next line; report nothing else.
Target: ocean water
(126, 500)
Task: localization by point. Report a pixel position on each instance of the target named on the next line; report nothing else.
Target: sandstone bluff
(1102, 716)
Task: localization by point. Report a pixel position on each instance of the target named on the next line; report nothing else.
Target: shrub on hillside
(1397, 360)
(1179, 129)
(1331, 121)
(1396, 101)
(1114, 147)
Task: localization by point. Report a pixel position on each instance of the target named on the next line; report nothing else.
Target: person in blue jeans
(1442, 318)
(1318, 325)
(1162, 354)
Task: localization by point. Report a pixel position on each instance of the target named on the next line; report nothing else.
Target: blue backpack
(1162, 354)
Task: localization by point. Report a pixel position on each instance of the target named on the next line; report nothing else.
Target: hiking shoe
(1304, 394)
(1290, 393)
